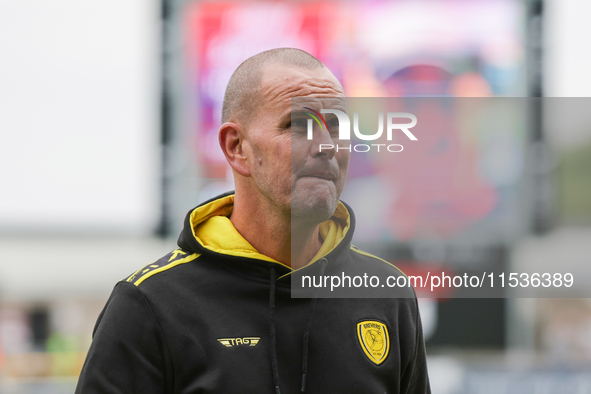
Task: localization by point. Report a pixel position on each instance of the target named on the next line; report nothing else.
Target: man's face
(288, 169)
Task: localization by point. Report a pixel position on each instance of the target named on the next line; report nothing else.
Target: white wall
(567, 49)
(79, 115)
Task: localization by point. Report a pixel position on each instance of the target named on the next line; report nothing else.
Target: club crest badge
(374, 340)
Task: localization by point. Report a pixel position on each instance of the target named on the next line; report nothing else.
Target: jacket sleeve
(128, 353)
(415, 378)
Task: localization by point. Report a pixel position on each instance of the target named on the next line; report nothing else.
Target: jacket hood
(208, 229)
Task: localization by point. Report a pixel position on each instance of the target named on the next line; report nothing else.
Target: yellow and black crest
(374, 340)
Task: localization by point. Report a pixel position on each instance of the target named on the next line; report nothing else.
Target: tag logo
(374, 340)
(248, 341)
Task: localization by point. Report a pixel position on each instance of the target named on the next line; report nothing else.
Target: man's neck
(273, 233)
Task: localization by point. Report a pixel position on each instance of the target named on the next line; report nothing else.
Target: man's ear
(232, 142)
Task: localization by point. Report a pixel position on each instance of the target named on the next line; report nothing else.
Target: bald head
(242, 97)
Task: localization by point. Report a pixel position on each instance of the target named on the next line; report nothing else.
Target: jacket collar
(208, 230)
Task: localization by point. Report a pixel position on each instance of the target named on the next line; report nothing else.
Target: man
(216, 315)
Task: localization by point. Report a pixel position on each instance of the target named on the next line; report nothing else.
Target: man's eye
(333, 125)
(298, 124)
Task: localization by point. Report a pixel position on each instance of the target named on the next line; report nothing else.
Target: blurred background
(109, 113)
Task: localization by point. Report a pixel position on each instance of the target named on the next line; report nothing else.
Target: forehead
(280, 83)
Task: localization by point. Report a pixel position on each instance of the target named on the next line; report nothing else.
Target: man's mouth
(321, 175)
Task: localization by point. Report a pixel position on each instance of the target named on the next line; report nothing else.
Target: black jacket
(214, 316)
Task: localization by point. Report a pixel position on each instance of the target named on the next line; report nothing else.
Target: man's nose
(322, 144)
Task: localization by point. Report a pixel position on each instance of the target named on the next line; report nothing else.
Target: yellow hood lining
(213, 229)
